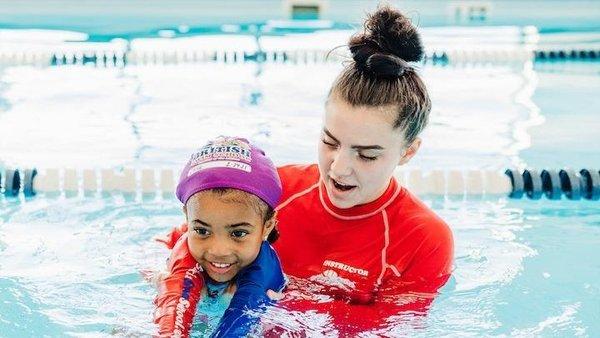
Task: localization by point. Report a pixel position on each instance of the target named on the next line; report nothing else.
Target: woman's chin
(341, 203)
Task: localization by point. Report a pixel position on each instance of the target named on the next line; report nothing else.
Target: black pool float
(517, 183)
(28, 177)
(12, 182)
(532, 183)
(590, 184)
(569, 183)
(541, 54)
(573, 54)
(551, 184)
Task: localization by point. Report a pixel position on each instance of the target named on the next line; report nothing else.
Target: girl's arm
(178, 293)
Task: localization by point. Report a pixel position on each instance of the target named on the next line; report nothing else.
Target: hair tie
(401, 70)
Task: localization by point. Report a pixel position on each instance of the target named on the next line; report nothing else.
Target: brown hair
(380, 73)
(260, 207)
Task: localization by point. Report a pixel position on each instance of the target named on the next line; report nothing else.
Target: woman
(345, 224)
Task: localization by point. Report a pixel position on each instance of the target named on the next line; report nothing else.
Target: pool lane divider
(121, 58)
(553, 184)
(531, 183)
(566, 55)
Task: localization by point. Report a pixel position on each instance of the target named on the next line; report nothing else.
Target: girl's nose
(219, 249)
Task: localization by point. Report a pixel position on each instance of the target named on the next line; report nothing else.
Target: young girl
(229, 190)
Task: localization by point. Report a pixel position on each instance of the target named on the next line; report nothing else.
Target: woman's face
(224, 236)
(359, 151)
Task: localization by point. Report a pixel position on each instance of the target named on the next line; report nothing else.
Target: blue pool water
(69, 266)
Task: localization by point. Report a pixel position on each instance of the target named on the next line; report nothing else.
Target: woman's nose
(341, 165)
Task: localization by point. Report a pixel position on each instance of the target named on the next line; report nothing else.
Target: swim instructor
(345, 223)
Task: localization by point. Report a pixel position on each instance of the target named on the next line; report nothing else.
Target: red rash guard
(372, 261)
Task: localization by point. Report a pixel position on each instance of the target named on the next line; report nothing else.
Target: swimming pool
(69, 265)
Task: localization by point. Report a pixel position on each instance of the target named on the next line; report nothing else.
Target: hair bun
(389, 39)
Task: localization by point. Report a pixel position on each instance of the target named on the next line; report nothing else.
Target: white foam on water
(201, 42)
(563, 324)
(40, 36)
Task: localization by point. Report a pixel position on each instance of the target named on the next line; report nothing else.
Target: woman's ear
(269, 226)
(410, 151)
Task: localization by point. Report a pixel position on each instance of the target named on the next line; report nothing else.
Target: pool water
(70, 266)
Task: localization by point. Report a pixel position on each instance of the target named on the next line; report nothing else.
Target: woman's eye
(239, 233)
(367, 158)
(202, 231)
(329, 144)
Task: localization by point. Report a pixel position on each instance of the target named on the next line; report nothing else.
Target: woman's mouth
(342, 187)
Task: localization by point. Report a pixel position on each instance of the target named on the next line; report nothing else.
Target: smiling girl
(223, 258)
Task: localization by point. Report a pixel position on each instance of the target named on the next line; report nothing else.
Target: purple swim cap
(230, 162)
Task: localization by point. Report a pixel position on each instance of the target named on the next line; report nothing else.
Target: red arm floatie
(178, 293)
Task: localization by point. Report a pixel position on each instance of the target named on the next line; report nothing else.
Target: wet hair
(380, 74)
(229, 195)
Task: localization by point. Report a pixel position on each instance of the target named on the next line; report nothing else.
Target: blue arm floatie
(250, 298)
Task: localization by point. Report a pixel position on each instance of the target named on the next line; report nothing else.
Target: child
(229, 190)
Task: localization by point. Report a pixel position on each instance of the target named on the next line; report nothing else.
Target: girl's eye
(239, 233)
(202, 231)
(367, 158)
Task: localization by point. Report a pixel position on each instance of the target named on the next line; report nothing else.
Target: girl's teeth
(219, 265)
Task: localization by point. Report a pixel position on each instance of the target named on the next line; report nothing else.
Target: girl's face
(359, 151)
(224, 236)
